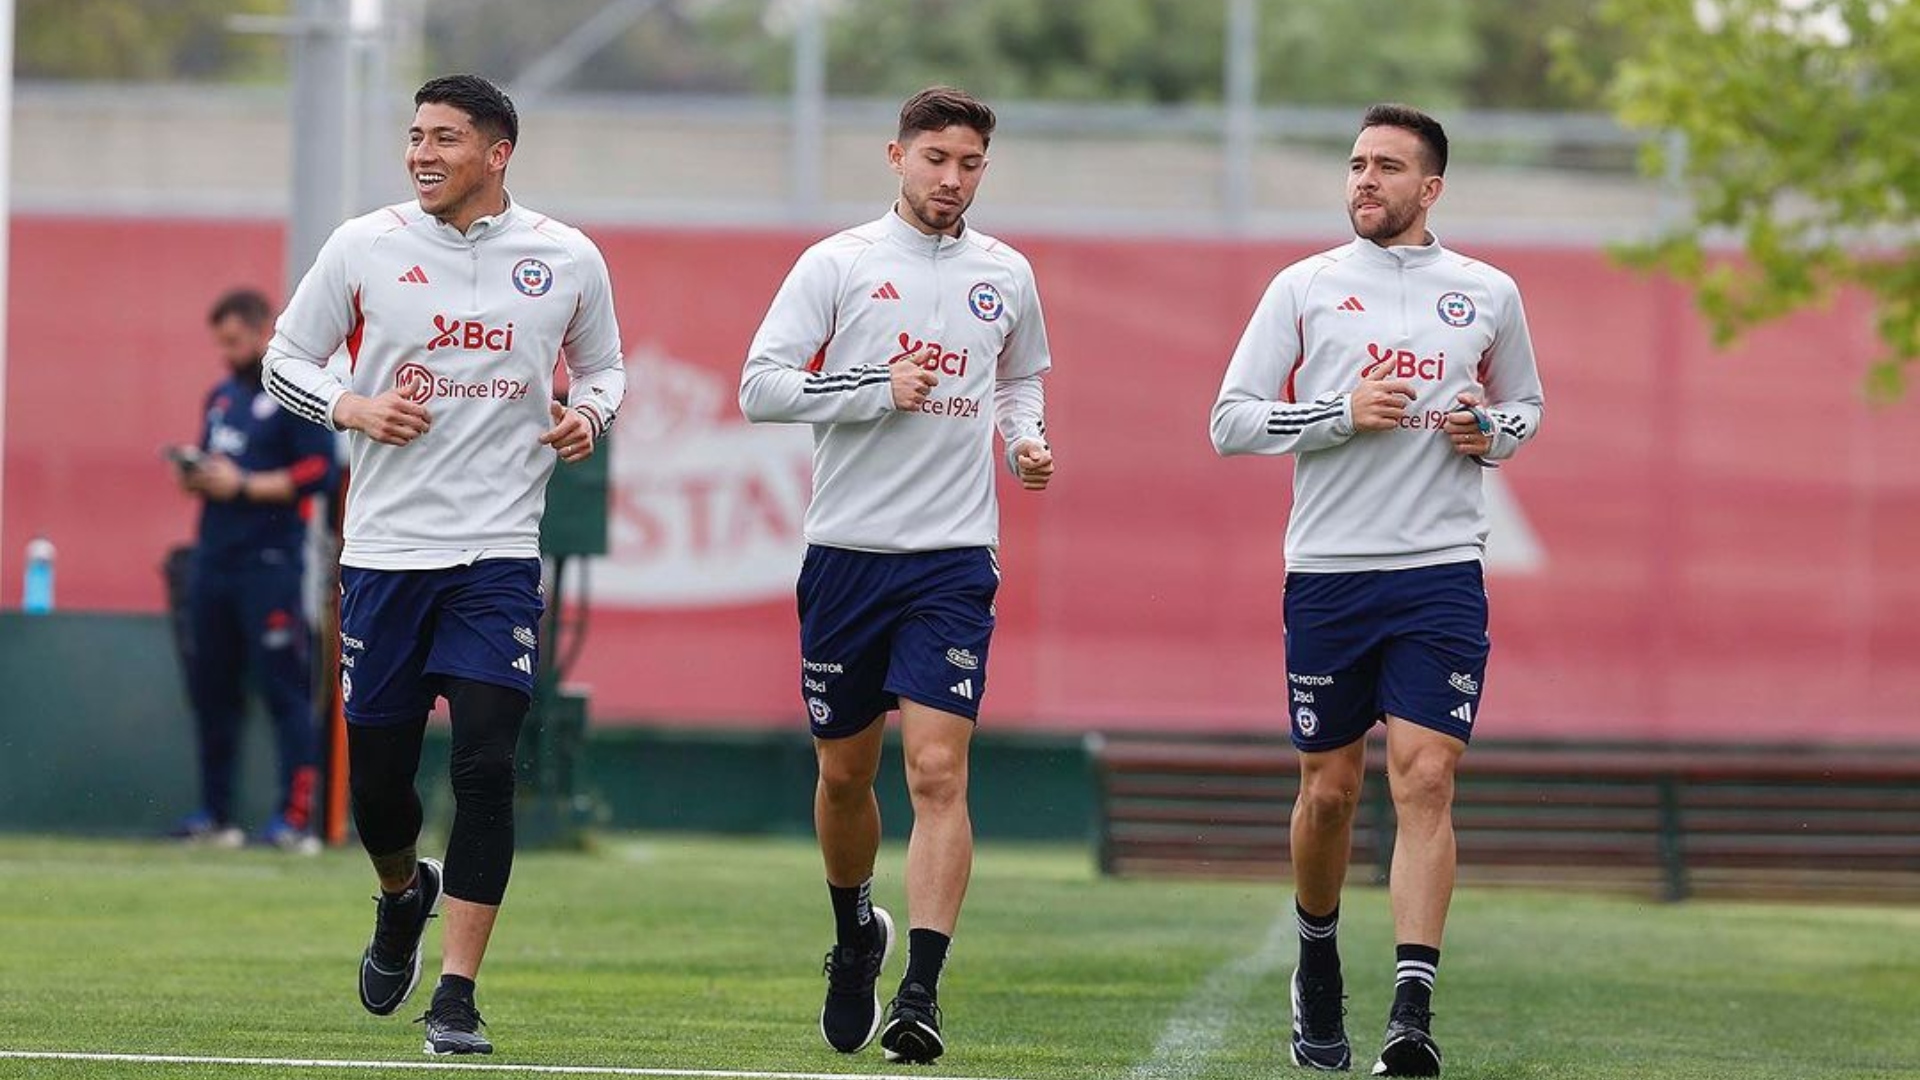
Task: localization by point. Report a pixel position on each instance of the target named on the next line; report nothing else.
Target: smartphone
(188, 458)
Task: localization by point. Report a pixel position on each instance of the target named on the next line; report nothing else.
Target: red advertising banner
(1699, 545)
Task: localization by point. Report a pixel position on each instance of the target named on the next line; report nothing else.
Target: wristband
(1484, 421)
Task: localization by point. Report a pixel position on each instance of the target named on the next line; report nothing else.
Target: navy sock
(1413, 976)
(926, 955)
(454, 986)
(853, 923)
(1319, 942)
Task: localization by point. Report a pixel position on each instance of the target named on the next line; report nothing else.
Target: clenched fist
(911, 382)
(1034, 461)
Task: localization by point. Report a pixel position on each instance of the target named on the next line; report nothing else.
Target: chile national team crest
(1456, 309)
(532, 277)
(984, 301)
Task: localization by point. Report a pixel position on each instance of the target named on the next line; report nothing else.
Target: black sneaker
(453, 1027)
(390, 966)
(1319, 1025)
(912, 1033)
(1409, 1050)
(851, 1016)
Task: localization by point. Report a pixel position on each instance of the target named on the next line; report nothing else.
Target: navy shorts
(875, 628)
(402, 632)
(1362, 646)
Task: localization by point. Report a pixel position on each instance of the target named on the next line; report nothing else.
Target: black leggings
(386, 806)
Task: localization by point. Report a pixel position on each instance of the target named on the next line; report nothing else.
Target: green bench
(1668, 821)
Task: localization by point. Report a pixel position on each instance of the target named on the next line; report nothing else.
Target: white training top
(886, 480)
(1394, 499)
(470, 326)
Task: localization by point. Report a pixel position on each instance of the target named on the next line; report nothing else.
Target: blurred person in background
(904, 342)
(1393, 369)
(254, 470)
(452, 307)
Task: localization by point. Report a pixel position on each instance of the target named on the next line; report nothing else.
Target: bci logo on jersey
(470, 334)
(1405, 364)
(946, 363)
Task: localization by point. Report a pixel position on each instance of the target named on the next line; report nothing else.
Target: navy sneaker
(390, 966)
(851, 1016)
(1409, 1049)
(453, 1027)
(1319, 1025)
(912, 1034)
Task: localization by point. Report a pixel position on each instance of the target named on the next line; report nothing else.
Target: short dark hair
(249, 305)
(488, 106)
(1429, 131)
(940, 107)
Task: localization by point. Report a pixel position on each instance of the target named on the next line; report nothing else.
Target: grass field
(677, 953)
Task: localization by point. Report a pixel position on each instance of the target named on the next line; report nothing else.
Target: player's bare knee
(845, 781)
(937, 776)
(848, 766)
(1422, 783)
(1327, 805)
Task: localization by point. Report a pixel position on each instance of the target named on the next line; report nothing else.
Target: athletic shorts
(1362, 646)
(878, 627)
(402, 632)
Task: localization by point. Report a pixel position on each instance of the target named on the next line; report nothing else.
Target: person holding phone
(254, 470)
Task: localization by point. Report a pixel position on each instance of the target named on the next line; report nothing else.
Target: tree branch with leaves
(1800, 139)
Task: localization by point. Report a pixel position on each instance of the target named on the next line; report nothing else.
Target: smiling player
(452, 309)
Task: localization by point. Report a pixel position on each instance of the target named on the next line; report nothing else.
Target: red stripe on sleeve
(354, 335)
(1299, 329)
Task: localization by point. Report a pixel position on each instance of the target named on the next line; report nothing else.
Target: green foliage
(1448, 54)
(1441, 54)
(139, 40)
(1152, 51)
(1802, 140)
(1519, 44)
(1342, 52)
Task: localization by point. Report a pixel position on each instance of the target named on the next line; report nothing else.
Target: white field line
(444, 1066)
(1198, 1027)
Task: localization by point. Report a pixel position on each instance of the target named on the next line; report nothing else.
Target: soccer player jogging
(1392, 369)
(452, 308)
(904, 342)
(254, 470)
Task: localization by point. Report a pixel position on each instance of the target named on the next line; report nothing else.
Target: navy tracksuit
(245, 614)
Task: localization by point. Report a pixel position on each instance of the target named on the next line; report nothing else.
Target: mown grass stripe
(1198, 1028)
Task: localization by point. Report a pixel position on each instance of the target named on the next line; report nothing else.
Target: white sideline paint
(1198, 1027)
(442, 1066)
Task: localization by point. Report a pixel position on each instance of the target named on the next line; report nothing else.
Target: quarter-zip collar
(1400, 256)
(938, 245)
(483, 226)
